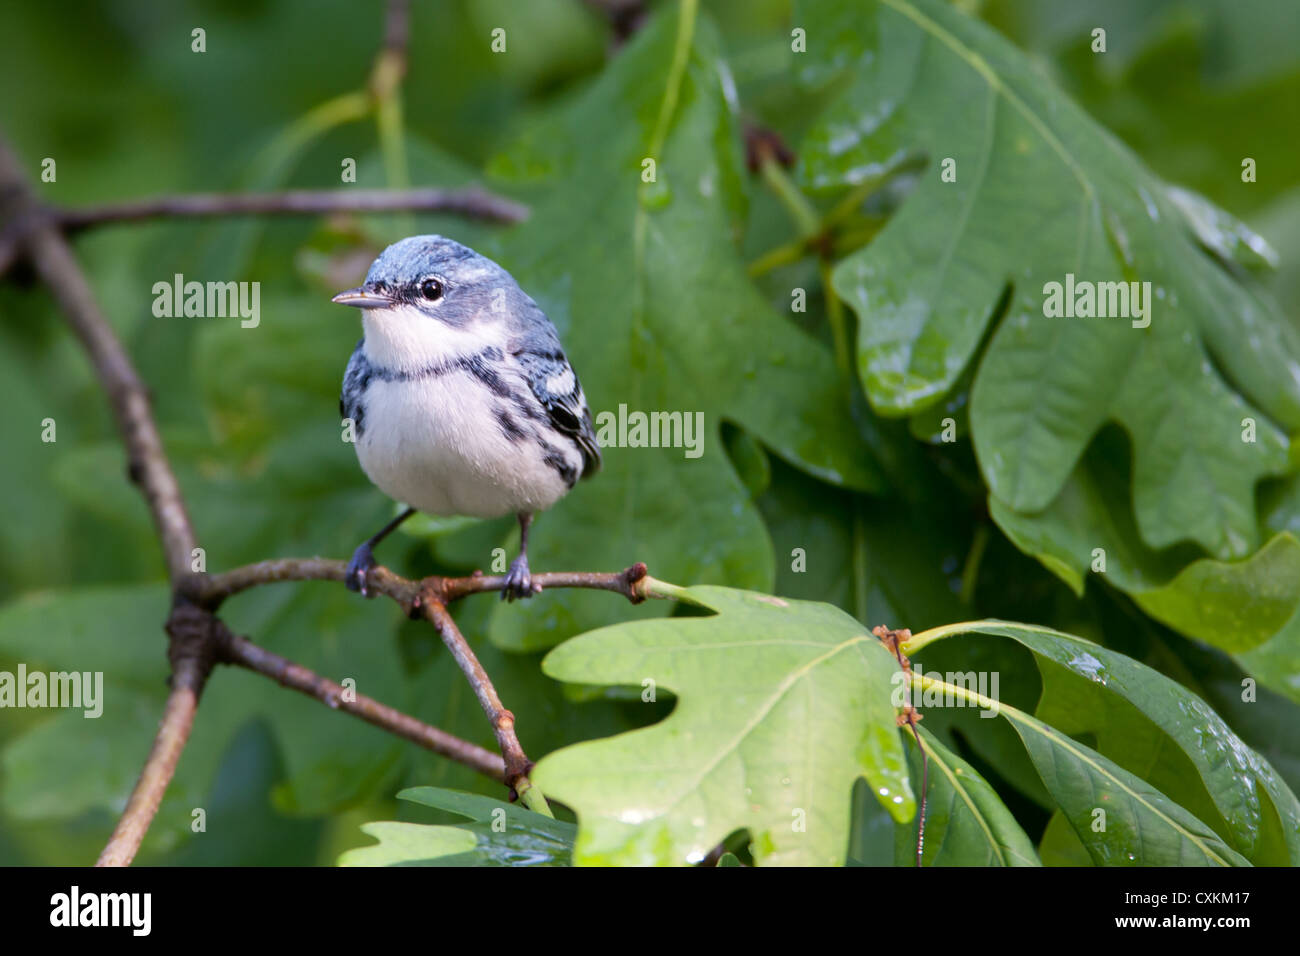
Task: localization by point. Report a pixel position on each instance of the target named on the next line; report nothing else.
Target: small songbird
(461, 398)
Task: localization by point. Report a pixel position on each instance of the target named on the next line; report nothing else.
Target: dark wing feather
(567, 411)
(355, 382)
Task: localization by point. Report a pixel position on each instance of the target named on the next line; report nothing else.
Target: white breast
(436, 444)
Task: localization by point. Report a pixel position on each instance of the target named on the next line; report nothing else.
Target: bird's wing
(355, 381)
(556, 387)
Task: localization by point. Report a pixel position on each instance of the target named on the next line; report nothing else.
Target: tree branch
(148, 467)
(190, 652)
(632, 582)
(427, 597)
(233, 649)
(472, 202)
(173, 732)
(517, 763)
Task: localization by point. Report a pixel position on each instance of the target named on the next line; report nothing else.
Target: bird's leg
(363, 559)
(519, 581)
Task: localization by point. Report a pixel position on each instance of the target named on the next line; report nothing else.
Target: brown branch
(631, 582)
(397, 26)
(893, 641)
(472, 202)
(428, 597)
(190, 652)
(149, 468)
(233, 649)
(389, 68)
(173, 732)
(55, 264)
(517, 763)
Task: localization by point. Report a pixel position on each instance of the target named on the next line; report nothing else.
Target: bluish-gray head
(428, 298)
(435, 276)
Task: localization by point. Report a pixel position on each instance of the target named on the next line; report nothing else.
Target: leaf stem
(923, 638)
(347, 108)
(801, 211)
(971, 571)
(531, 796)
(838, 322)
(854, 198)
(783, 255)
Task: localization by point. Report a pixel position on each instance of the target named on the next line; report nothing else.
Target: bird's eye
(431, 289)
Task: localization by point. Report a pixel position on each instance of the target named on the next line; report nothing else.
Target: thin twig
(428, 597)
(517, 763)
(473, 202)
(632, 582)
(190, 652)
(173, 732)
(397, 26)
(55, 264)
(893, 641)
(233, 649)
(149, 468)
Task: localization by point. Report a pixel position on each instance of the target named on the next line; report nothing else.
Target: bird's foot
(519, 581)
(363, 560)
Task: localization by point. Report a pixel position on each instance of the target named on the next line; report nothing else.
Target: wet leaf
(499, 834)
(781, 705)
(1260, 815)
(929, 82)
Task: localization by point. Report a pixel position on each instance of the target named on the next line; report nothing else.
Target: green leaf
(501, 834)
(1250, 608)
(1059, 845)
(1235, 606)
(966, 822)
(650, 295)
(1140, 826)
(1236, 779)
(1042, 191)
(1173, 70)
(410, 844)
(781, 705)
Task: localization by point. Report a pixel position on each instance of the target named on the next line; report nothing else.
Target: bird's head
(427, 299)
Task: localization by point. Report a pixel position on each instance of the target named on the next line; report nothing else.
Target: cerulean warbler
(461, 398)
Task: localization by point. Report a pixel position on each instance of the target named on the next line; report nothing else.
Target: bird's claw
(519, 581)
(363, 559)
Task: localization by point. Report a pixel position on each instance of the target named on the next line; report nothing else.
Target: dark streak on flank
(556, 460)
(509, 427)
(355, 382)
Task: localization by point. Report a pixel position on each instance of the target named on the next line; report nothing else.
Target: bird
(461, 398)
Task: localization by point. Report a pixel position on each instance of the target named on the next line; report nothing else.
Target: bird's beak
(363, 297)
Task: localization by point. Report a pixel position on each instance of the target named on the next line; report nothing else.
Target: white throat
(403, 338)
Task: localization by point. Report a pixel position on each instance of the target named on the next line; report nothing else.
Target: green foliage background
(649, 289)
